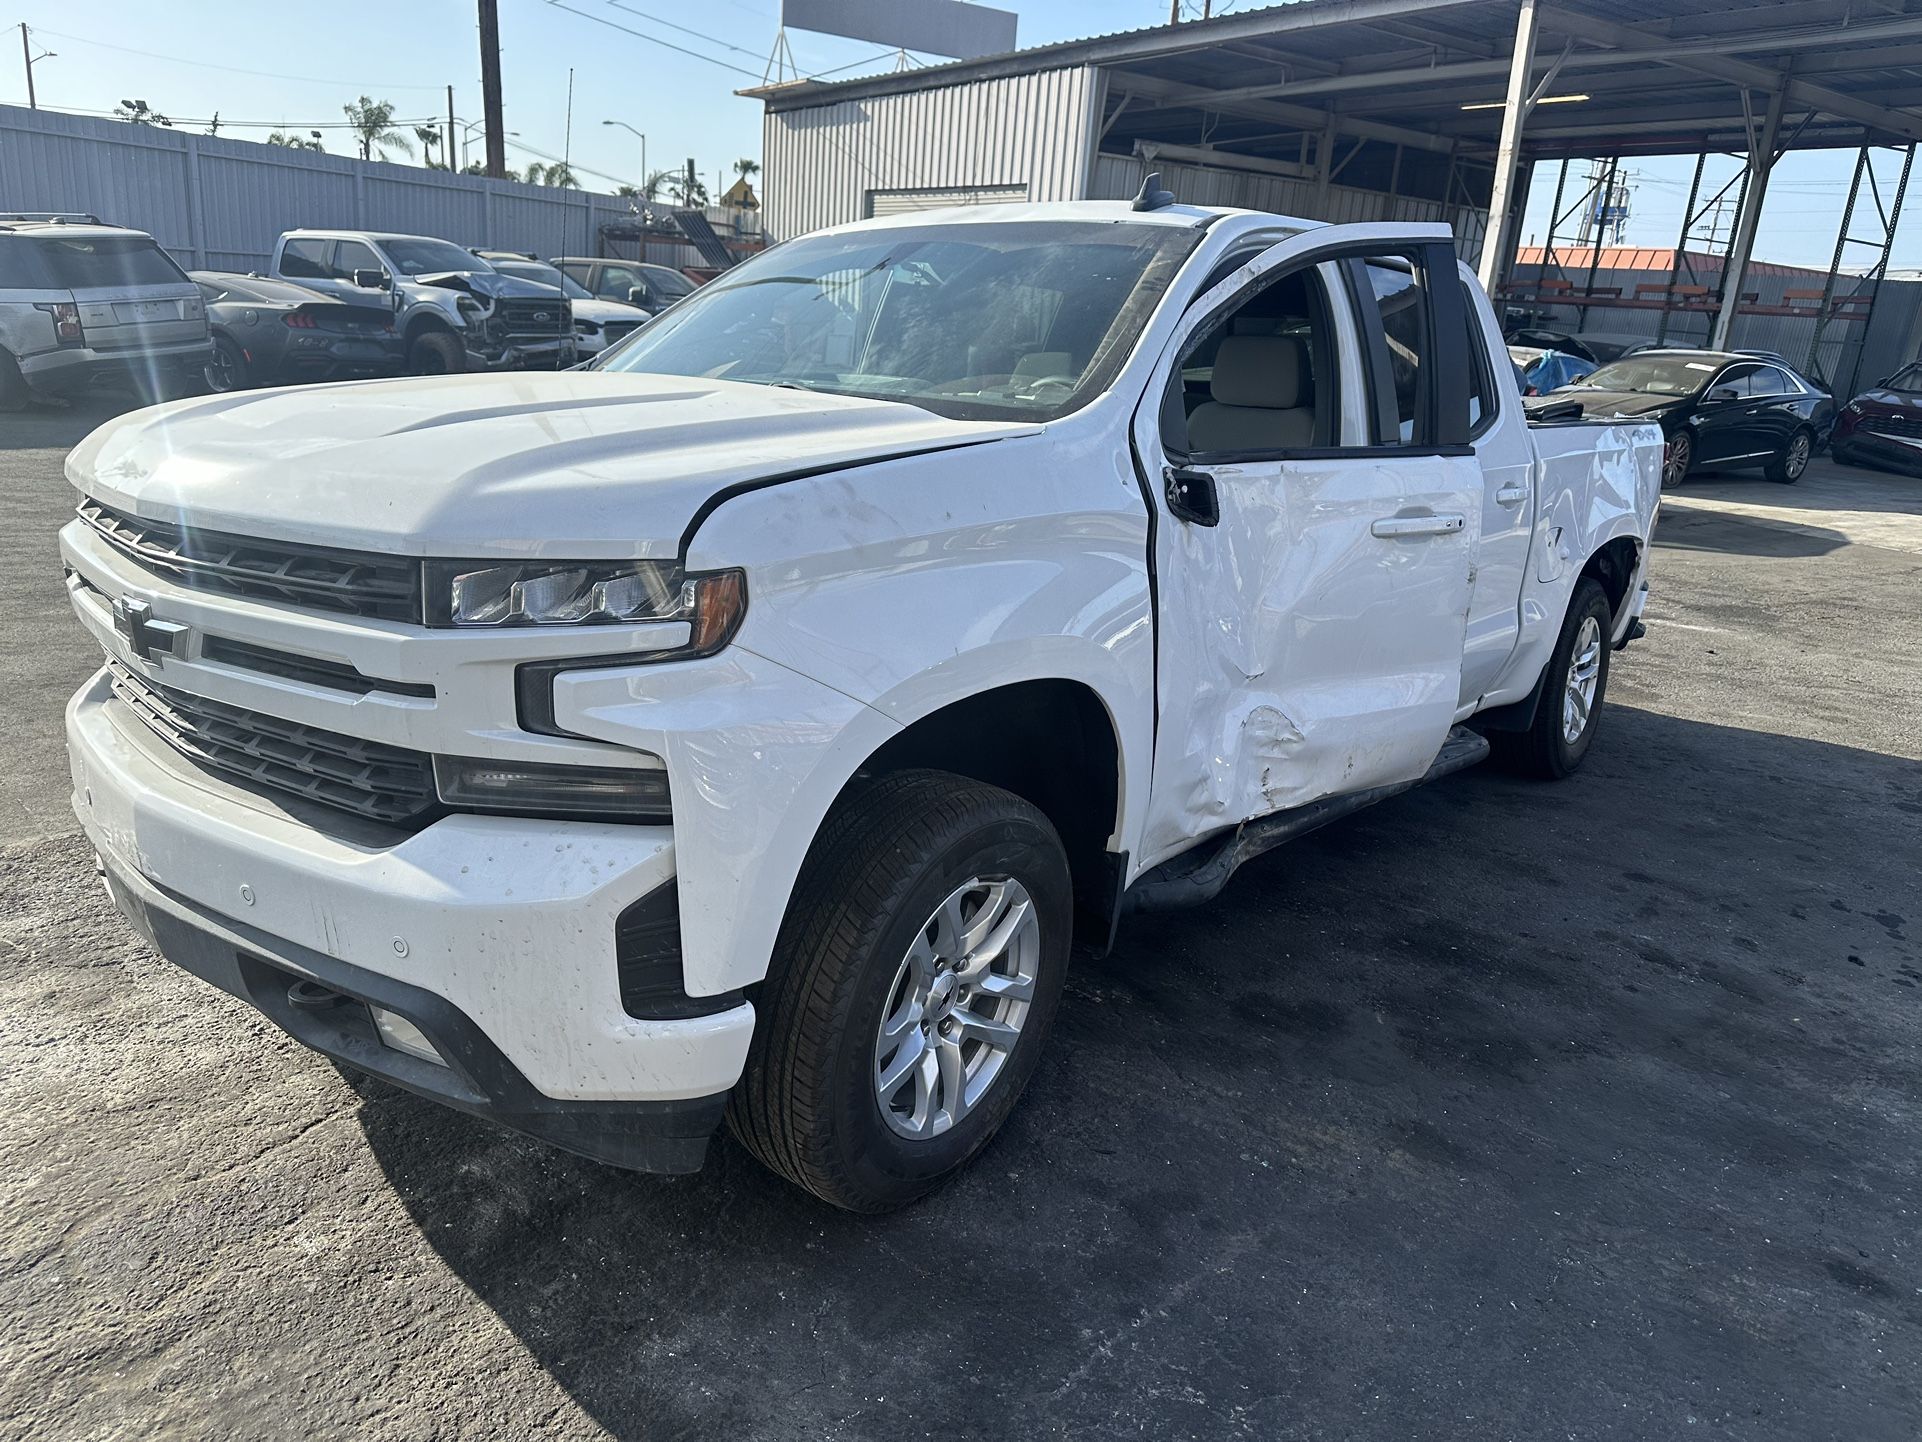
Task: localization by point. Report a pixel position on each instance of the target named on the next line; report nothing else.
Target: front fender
(756, 754)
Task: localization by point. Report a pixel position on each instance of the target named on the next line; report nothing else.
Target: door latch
(1191, 496)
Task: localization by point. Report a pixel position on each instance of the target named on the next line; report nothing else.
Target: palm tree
(674, 184)
(373, 123)
(294, 142)
(429, 137)
(557, 174)
(747, 169)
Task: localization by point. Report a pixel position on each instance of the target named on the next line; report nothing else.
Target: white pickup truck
(754, 722)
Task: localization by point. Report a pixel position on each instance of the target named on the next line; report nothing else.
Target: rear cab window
(304, 259)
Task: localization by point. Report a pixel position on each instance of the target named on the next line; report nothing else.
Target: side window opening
(304, 260)
(1483, 404)
(1262, 378)
(1404, 326)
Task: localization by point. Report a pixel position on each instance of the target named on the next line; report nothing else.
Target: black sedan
(271, 333)
(1716, 409)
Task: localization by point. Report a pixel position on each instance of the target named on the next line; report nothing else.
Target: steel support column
(1508, 153)
(1761, 163)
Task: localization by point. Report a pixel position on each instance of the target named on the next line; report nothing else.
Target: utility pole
(490, 46)
(1174, 12)
(687, 193)
(26, 54)
(451, 166)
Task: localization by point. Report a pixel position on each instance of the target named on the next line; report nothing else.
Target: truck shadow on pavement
(1524, 1106)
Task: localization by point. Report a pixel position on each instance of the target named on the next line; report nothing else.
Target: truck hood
(577, 464)
(490, 283)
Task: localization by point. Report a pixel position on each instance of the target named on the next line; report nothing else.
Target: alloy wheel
(1797, 459)
(956, 1005)
(1584, 672)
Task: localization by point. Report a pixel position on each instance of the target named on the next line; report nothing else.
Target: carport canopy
(1448, 98)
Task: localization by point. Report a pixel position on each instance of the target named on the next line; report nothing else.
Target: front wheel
(1572, 690)
(436, 353)
(914, 980)
(1793, 459)
(1677, 456)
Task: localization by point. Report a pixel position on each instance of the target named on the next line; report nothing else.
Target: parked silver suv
(80, 299)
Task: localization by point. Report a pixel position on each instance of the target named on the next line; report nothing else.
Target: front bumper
(1862, 447)
(528, 355)
(491, 934)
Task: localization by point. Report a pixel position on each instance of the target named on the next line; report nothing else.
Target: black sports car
(270, 332)
(1716, 409)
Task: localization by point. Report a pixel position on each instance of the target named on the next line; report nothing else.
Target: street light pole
(632, 131)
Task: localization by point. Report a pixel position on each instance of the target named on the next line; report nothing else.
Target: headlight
(528, 786)
(471, 307)
(590, 593)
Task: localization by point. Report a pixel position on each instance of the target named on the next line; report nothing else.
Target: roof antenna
(1151, 196)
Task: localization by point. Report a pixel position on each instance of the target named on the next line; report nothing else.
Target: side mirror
(1723, 393)
(637, 295)
(373, 279)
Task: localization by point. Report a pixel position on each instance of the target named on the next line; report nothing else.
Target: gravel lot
(1501, 1110)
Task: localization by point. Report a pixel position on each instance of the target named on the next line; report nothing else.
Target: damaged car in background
(455, 312)
(753, 723)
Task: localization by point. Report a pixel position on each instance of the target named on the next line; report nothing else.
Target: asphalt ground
(1503, 1110)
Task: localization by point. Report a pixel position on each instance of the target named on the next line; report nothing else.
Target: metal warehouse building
(1401, 110)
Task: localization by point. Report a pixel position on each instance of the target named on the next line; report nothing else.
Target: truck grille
(1909, 427)
(368, 778)
(351, 581)
(520, 317)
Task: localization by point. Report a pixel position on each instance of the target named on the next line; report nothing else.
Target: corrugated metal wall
(1848, 352)
(219, 204)
(1118, 177)
(1029, 130)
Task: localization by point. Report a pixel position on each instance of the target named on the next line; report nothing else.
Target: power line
(738, 50)
(655, 39)
(230, 69)
(225, 123)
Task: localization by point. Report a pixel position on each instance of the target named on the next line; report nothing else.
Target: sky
(669, 71)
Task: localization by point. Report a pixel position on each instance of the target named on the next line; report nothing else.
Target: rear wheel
(913, 983)
(13, 385)
(1793, 459)
(1572, 690)
(436, 353)
(1677, 456)
(226, 367)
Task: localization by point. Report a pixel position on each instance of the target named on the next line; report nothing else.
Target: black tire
(888, 856)
(14, 394)
(1788, 464)
(226, 369)
(436, 353)
(1678, 458)
(1544, 750)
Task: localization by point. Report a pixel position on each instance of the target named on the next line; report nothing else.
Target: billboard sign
(933, 27)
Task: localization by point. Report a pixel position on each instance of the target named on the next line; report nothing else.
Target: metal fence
(219, 204)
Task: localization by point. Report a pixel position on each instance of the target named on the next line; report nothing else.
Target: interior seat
(1259, 397)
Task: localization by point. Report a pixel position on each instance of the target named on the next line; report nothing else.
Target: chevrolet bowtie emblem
(135, 621)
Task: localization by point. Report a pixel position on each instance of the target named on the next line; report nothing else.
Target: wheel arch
(1051, 741)
(1614, 564)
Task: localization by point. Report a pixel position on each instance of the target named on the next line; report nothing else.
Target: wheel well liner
(1050, 742)
(1614, 566)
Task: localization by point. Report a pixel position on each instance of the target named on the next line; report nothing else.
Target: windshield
(1026, 320)
(416, 255)
(544, 275)
(1909, 378)
(1654, 375)
(670, 283)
